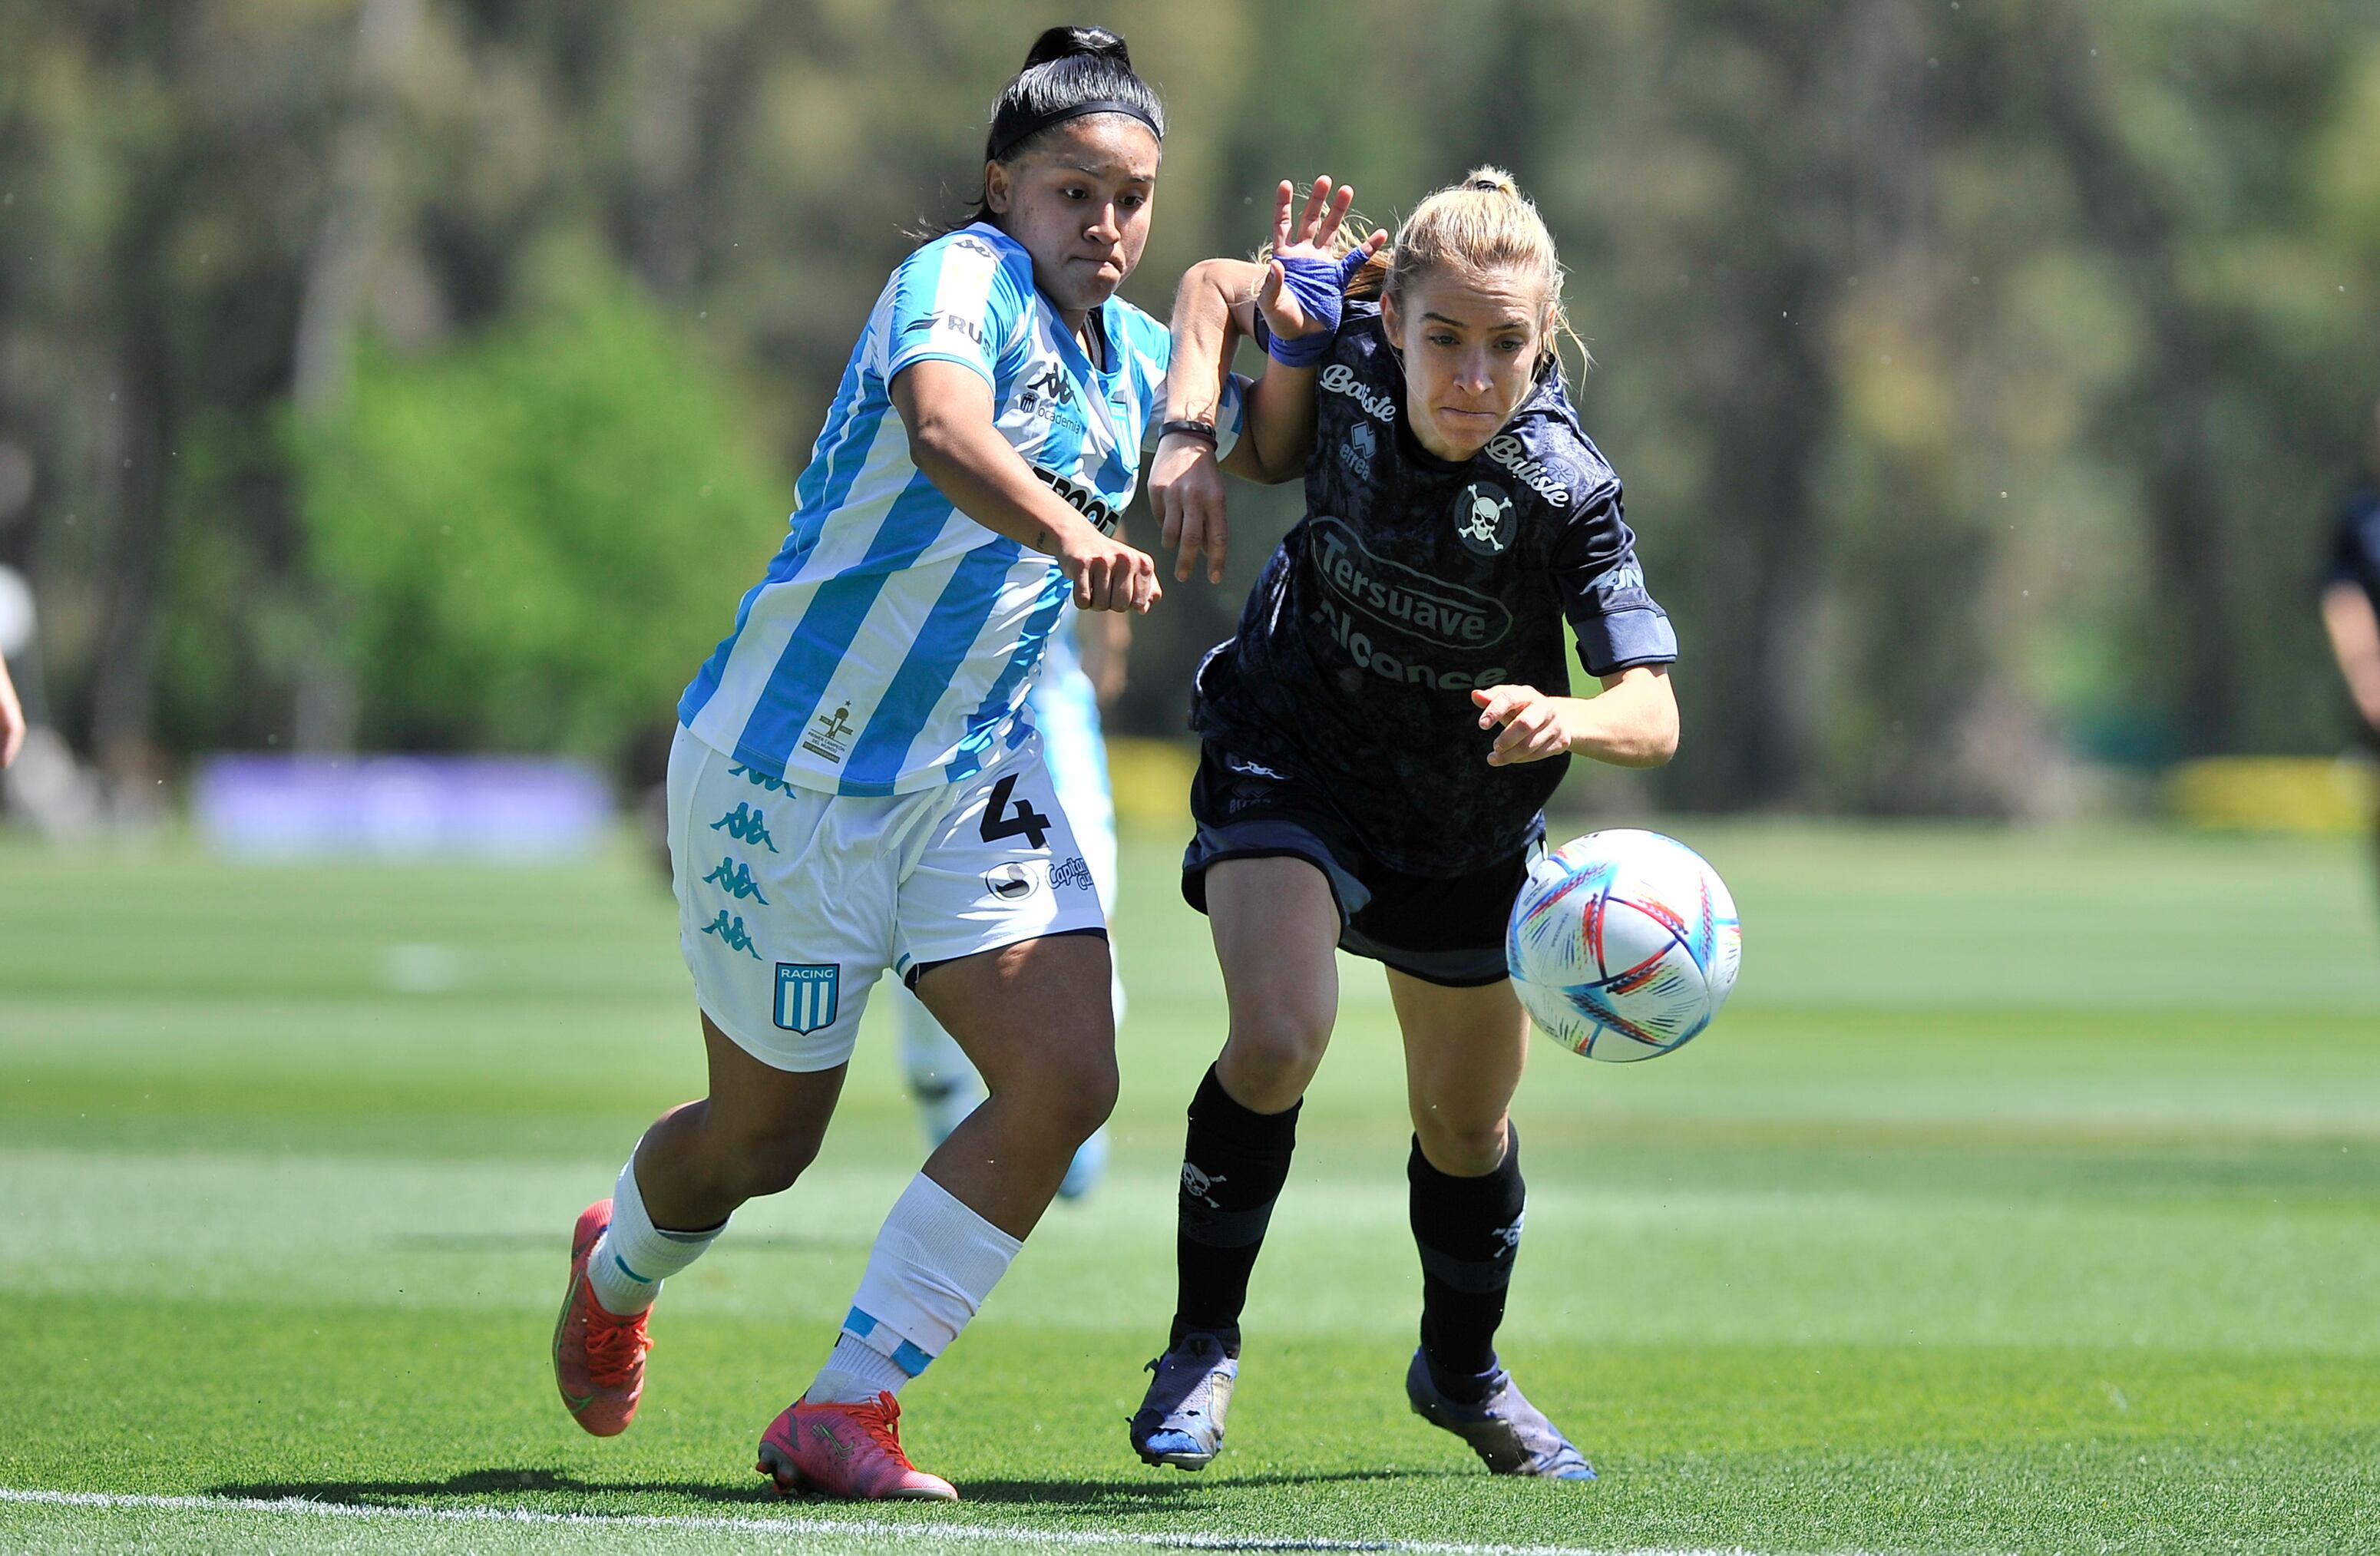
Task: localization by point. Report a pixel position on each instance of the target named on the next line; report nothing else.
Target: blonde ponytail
(1481, 224)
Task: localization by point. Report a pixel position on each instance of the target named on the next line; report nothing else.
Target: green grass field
(2026, 1200)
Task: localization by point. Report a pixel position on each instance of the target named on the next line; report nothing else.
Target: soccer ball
(1624, 944)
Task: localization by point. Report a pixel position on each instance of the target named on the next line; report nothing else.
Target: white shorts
(792, 903)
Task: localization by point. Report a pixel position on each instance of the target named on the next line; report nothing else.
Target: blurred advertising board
(399, 807)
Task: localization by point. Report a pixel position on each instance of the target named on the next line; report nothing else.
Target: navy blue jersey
(2355, 544)
(1411, 581)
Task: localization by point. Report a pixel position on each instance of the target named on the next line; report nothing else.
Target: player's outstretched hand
(1185, 486)
(1108, 575)
(1292, 310)
(1533, 728)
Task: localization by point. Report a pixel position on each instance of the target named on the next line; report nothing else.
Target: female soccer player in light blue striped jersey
(856, 788)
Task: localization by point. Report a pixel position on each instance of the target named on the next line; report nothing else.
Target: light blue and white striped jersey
(893, 640)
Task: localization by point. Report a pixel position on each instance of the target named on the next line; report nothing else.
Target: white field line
(985, 1534)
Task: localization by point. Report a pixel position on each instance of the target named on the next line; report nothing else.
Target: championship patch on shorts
(805, 995)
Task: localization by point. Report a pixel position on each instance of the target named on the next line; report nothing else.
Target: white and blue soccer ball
(1624, 944)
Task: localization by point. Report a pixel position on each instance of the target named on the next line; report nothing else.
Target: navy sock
(1234, 1164)
(1468, 1231)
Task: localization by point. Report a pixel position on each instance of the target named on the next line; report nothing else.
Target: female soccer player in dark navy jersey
(1380, 739)
(1412, 581)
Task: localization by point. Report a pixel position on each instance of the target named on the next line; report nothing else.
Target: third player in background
(1082, 673)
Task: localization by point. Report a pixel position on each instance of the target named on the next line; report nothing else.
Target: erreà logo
(1357, 451)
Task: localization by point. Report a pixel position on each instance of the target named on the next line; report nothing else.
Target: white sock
(932, 1265)
(634, 1256)
(855, 1373)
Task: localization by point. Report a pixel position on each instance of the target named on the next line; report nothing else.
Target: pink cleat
(846, 1451)
(599, 1361)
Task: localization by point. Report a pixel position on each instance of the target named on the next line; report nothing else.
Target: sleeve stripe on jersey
(966, 276)
(1609, 644)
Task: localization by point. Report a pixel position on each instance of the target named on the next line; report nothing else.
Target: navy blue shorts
(1442, 929)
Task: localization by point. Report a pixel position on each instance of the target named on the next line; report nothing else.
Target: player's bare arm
(1219, 299)
(2354, 633)
(1185, 483)
(1633, 723)
(948, 412)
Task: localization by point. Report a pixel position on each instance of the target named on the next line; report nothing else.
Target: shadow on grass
(1071, 1498)
(485, 1483)
(545, 1243)
(1116, 1498)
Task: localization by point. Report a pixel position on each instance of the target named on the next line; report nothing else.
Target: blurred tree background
(432, 373)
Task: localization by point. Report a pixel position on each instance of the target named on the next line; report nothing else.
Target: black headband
(1060, 116)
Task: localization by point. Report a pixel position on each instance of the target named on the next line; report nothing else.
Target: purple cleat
(1511, 1436)
(1181, 1420)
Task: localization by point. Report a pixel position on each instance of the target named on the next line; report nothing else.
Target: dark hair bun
(1064, 42)
(1072, 71)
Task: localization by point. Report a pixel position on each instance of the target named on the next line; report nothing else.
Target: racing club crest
(805, 995)
(1483, 518)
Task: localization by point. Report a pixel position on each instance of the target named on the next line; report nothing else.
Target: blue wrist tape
(1317, 287)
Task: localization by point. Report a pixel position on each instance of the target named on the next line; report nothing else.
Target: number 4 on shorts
(997, 824)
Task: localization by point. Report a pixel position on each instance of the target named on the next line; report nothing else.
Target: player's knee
(1093, 1099)
(1067, 1080)
(769, 1162)
(1283, 1045)
(1460, 1147)
(1079, 1098)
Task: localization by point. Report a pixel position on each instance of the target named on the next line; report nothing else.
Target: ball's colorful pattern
(1624, 944)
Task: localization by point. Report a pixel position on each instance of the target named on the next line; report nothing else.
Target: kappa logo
(808, 995)
(1357, 452)
(975, 245)
(1483, 518)
(735, 880)
(1340, 379)
(1010, 882)
(730, 929)
(747, 825)
(1255, 769)
(759, 779)
(1045, 393)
